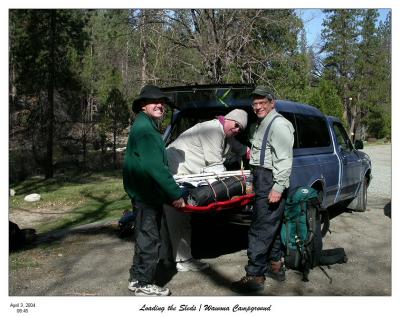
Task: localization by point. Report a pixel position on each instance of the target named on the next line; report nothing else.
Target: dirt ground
(94, 261)
(31, 218)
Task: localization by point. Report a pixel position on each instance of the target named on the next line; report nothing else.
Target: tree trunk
(13, 87)
(103, 149)
(352, 129)
(84, 149)
(86, 116)
(50, 97)
(143, 45)
(115, 145)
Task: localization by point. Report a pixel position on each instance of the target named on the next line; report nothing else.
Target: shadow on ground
(213, 237)
(58, 236)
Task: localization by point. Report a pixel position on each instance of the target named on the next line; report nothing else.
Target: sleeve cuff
(278, 188)
(248, 153)
(218, 168)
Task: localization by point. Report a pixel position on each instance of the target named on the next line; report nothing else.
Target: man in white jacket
(200, 149)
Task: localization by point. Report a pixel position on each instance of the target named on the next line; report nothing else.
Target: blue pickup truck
(324, 156)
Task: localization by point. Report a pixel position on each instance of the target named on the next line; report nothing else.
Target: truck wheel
(361, 199)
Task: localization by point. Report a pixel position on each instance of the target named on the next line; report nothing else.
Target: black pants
(264, 232)
(147, 242)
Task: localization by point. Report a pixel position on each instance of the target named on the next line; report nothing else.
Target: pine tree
(368, 67)
(340, 43)
(326, 98)
(41, 41)
(382, 109)
(114, 117)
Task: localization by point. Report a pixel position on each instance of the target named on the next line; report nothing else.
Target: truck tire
(360, 202)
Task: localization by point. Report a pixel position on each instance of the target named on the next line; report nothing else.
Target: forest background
(74, 73)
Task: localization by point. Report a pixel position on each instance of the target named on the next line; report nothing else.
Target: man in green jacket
(149, 184)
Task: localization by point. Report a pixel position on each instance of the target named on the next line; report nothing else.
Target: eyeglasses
(261, 103)
(238, 126)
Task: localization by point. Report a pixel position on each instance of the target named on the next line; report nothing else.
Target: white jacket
(202, 148)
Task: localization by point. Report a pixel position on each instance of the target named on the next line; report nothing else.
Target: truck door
(350, 163)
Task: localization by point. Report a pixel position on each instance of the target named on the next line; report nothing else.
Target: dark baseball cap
(264, 92)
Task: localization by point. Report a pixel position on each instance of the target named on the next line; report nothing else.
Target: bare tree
(219, 36)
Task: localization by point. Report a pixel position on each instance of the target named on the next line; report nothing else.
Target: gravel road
(381, 157)
(96, 261)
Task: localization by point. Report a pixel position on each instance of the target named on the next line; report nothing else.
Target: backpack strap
(306, 264)
(333, 256)
(264, 142)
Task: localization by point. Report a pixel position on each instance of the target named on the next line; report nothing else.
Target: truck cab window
(312, 131)
(342, 137)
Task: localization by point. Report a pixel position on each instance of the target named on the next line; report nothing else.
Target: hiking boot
(248, 284)
(151, 290)
(133, 285)
(276, 271)
(191, 265)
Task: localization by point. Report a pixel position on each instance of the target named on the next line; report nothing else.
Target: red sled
(236, 202)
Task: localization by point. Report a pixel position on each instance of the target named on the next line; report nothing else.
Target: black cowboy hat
(149, 92)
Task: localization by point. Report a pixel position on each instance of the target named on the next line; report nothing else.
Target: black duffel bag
(221, 190)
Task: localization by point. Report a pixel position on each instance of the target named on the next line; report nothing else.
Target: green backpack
(304, 225)
(301, 230)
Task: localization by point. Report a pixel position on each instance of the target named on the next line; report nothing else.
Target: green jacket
(145, 171)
